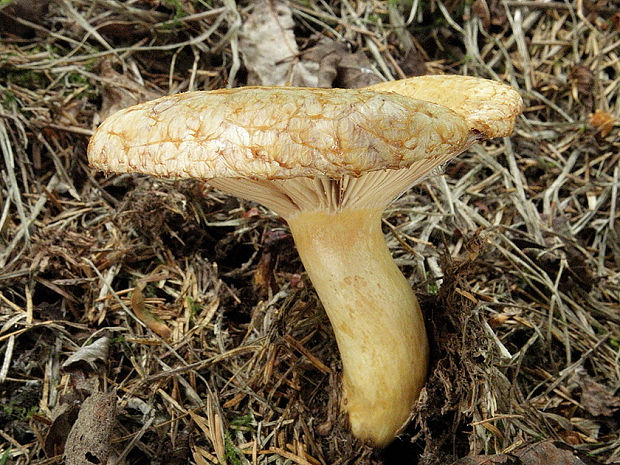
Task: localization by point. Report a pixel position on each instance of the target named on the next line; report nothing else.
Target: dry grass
(515, 250)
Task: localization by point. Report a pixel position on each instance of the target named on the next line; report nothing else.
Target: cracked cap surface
(276, 133)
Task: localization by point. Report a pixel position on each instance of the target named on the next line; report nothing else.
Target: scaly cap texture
(277, 133)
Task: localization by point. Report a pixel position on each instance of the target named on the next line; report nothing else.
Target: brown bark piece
(542, 453)
(89, 439)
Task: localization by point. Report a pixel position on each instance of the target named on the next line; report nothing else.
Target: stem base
(375, 315)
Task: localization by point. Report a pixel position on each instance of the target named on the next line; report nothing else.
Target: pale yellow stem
(375, 315)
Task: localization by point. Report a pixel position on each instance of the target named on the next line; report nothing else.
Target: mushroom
(328, 161)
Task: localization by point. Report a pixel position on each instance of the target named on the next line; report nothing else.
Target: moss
(18, 412)
(232, 455)
(5, 456)
(25, 78)
(244, 423)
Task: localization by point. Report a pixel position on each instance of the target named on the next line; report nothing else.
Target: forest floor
(189, 311)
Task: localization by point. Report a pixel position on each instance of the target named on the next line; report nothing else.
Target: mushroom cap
(490, 107)
(277, 133)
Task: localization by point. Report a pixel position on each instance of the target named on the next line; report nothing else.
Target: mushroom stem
(375, 315)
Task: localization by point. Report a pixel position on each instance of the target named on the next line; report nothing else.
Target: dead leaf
(65, 417)
(21, 9)
(355, 71)
(115, 28)
(326, 57)
(498, 13)
(602, 121)
(338, 67)
(547, 453)
(488, 460)
(263, 279)
(581, 79)
(413, 63)
(542, 453)
(481, 9)
(139, 308)
(490, 12)
(179, 448)
(270, 53)
(89, 354)
(597, 400)
(89, 439)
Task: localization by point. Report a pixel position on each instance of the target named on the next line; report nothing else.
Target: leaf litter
(514, 251)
